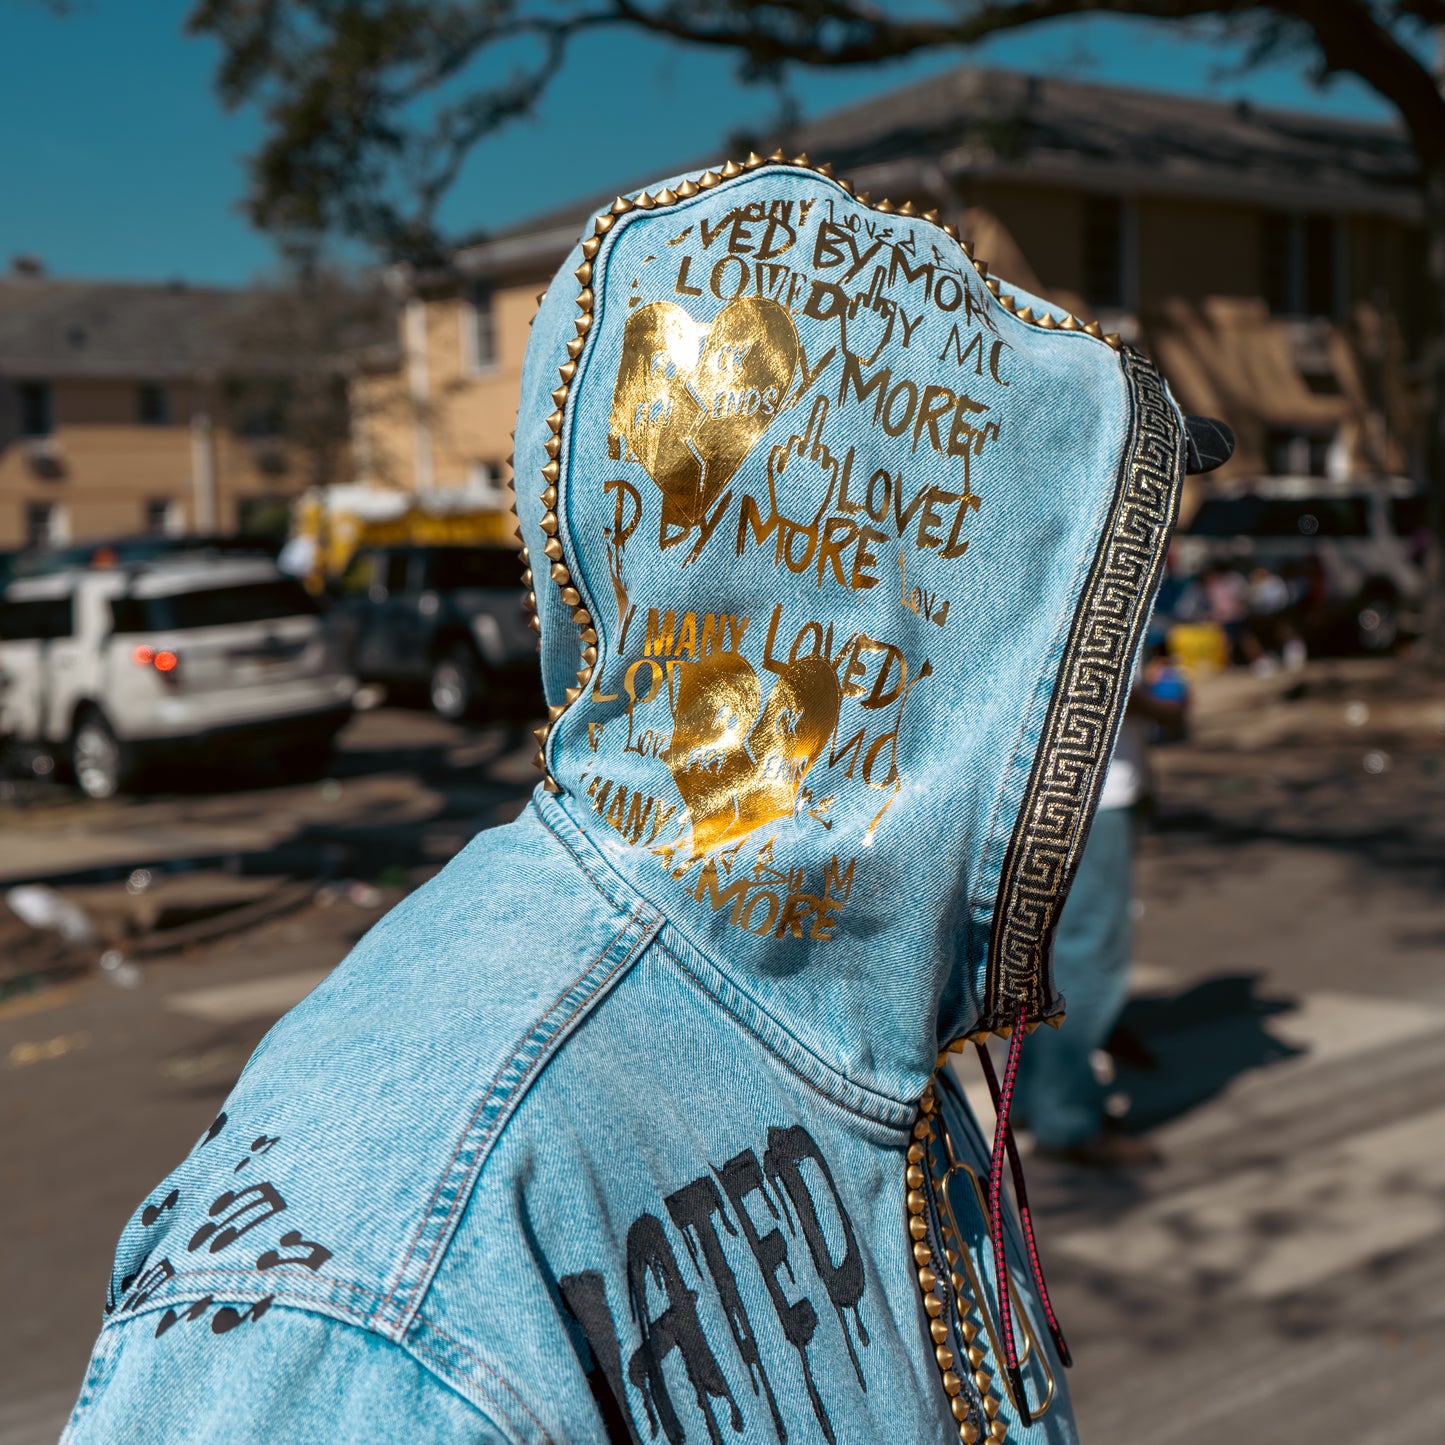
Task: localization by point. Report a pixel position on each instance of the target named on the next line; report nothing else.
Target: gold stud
(938, 1330)
(666, 196)
(584, 676)
(826, 169)
(1113, 339)
(915, 1201)
(752, 161)
(572, 694)
(914, 1176)
(559, 573)
(982, 1379)
(956, 1279)
(1069, 323)
(923, 1130)
(1055, 1021)
(993, 285)
(1026, 313)
(1008, 303)
(570, 596)
(927, 1280)
(603, 224)
(584, 299)
(551, 471)
(567, 371)
(552, 550)
(583, 273)
(1094, 329)
(530, 600)
(951, 1383)
(589, 655)
(801, 159)
(906, 209)
(915, 1153)
(523, 553)
(885, 205)
(928, 1103)
(581, 616)
(951, 1255)
(621, 206)
(863, 197)
(551, 784)
(990, 1406)
(644, 202)
(847, 185)
(591, 246)
(968, 1330)
(968, 1433)
(574, 347)
(534, 624)
(933, 1305)
(975, 1356)
(917, 1225)
(540, 296)
(583, 324)
(686, 189)
(931, 216)
(549, 523)
(997, 1430)
(526, 577)
(589, 634)
(921, 1253)
(1046, 320)
(555, 711)
(708, 179)
(540, 734)
(981, 1036)
(941, 1353)
(554, 422)
(539, 761)
(778, 155)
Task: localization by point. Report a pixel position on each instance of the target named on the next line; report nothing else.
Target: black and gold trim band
(1086, 706)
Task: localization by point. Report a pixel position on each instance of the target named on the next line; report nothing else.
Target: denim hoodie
(632, 1122)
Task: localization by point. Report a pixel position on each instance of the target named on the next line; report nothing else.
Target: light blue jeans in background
(1057, 1092)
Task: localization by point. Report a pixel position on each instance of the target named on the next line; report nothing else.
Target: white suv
(112, 670)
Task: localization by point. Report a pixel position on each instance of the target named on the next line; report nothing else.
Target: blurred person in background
(1059, 1092)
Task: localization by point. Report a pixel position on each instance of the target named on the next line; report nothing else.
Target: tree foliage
(371, 107)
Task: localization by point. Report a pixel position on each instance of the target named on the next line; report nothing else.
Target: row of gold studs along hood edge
(558, 571)
(987, 1429)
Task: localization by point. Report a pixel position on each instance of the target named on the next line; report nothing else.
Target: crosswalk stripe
(259, 998)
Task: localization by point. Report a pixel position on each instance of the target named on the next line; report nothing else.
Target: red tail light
(162, 659)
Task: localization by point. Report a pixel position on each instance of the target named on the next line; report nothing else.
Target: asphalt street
(1280, 1279)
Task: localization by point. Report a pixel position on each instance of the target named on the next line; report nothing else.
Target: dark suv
(447, 619)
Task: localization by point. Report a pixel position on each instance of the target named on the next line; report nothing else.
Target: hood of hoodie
(841, 552)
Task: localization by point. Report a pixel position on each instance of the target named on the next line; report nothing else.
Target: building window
(1296, 454)
(36, 415)
(479, 331)
(485, 479)
(152, 404)
(46, 524)
(1104, 251)
(1302, 264)
(162, 517)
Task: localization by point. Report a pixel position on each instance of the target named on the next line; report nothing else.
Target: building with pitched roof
(1265, 258)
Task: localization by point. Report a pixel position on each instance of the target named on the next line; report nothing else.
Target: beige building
(1266, 259)
(120, 414)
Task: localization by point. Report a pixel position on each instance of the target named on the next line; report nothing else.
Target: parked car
(113, 670)
(447, 619)
(128, 551)
(1354, 558)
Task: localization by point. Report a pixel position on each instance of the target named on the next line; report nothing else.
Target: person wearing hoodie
(635, 1120)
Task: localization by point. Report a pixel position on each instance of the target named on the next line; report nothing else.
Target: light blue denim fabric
(601, 1135)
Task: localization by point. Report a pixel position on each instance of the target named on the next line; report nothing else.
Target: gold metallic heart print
(736, 770)
(692, 399)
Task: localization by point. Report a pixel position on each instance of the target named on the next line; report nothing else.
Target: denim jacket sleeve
(305, 1378)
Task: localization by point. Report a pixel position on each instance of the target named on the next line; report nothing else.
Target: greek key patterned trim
(1087, 703)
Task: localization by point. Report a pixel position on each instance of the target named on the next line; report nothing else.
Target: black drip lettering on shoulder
(692, 1209)
(844, 1281)
(677, 1327)
(742, 1176)
(217, 1124)
(585, 1296)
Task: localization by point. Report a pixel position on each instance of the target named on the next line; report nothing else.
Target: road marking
(36, 1003)
(1269, 1231)
(233, 1003)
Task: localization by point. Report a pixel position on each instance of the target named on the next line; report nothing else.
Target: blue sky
(117, 161)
